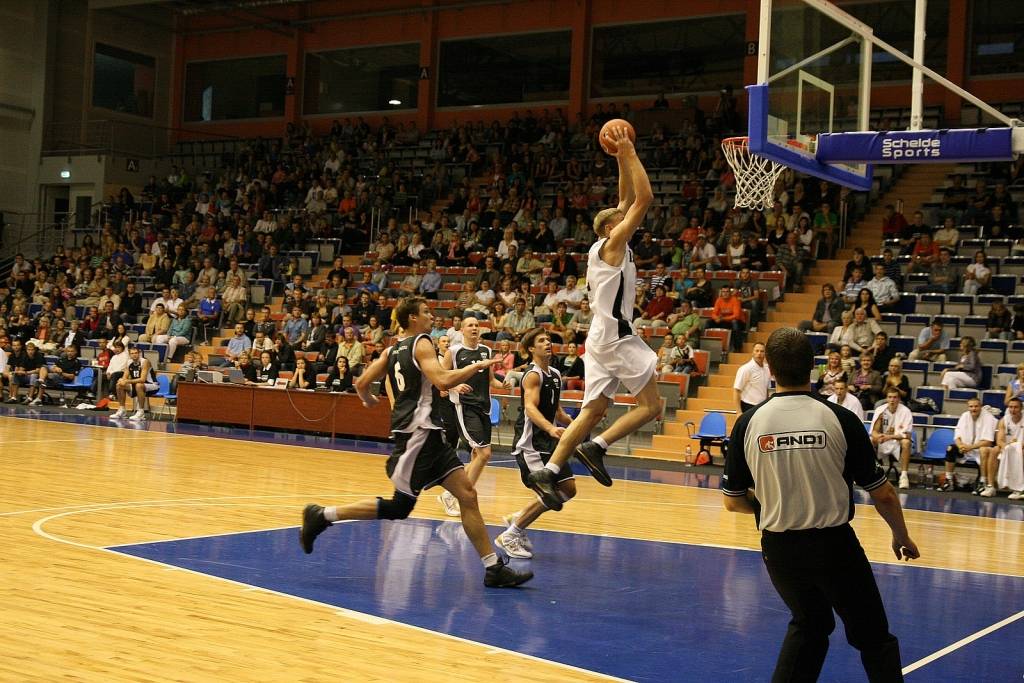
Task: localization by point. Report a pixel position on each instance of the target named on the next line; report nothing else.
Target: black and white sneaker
(592, 455)
(501, 575)
(543, 483)
(978, 487)
(313, 524)
(947, 485)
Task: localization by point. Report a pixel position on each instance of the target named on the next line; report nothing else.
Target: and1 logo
(788, 441)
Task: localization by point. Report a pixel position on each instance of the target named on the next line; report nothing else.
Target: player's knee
(952, 453)
(482, 454)
(398, 507)
(467, 497)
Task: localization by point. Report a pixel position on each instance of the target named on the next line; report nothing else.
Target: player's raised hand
(623, 145)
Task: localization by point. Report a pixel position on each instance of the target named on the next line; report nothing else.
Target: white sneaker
(121, 413)
(512, 544)
(1016, 495)
(904, 480)
(988, 492)
(523, 539)
(450, 504)
(36, 402)
(138, 416)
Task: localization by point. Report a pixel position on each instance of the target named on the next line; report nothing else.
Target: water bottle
(921, 473)
(689, 455)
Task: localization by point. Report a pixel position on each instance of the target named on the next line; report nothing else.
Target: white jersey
(850, 403)
(612, 294)
(1012, 431)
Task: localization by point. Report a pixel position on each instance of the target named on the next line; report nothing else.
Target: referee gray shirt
(801, 455)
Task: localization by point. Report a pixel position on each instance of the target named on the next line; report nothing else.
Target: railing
(117, 137)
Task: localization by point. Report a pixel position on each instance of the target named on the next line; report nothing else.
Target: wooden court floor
(73, 610)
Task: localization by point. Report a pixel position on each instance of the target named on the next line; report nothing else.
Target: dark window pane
(235, 89)
(997, 37)
(123, 81)
(531, 67)
(688, 55)
(362, 79)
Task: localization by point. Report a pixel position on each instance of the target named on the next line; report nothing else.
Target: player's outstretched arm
(627, 195)
(619, 236)
(438, 376)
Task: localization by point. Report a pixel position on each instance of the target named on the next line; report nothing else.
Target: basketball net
(755, 175)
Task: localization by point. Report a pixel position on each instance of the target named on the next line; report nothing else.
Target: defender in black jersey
(472, 404)
(422, 457)
(139, 382)
(537, 432)
(792, 462)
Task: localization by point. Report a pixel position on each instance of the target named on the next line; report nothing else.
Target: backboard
(811, 108)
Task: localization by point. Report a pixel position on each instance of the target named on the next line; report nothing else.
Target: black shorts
(446, 409)
(421, 459)
(530, 461)
(474, 425)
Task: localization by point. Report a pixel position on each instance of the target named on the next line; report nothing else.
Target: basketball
(604, 137)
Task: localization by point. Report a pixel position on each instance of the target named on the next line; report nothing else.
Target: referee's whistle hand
(905, 549)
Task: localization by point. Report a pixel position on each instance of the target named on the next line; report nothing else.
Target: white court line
(37, 527)
(962, 642)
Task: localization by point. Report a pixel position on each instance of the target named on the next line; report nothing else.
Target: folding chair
(712, 432)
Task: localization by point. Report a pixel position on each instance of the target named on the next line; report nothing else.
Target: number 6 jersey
(415, 406)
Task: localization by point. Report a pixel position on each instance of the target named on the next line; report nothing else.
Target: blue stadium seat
(938, 441)
(945, 420)
(994, 398)
(935, 393)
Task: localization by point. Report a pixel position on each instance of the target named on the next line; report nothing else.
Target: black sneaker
(543, 483)
(947, 485)
(503, 576)
(313, 524)
(592, 455)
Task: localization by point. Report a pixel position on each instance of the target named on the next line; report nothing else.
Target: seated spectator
(236, 345)
(978, 275)
(571, 294)
(581, 320)
(829, 373)
(1000, 323)
(853, 285)
(895, 379)
(430, 283)
(966, 374)
(295, 327)
(701, 295)
(947, 235)
(530, 267)
(482, 301)
(267, 371)
(686, 362)
(316, 335)
(139, 383)
(755, 256)
(943, 276)
(660, 276)
(974, 437)
(504, 354)
(883, 289)
(893, 270)
(26, 367)
(827, 312)
(866, 301)
(517, 322)
(924, 255)
(1015, 388)
(704, 255)
(865, 382)
(647, 253)
(571, 364)
(303, 377)
(668, 354)
(789, 259)
(339, 379)
(881, 351)
(891, 430)
(657, 311)
(245, 364)
(157, 325)
(191, 364)
(841, 332)
(861, 333)
(560, 331)
(844, 398)
(729, 313)
(233, 301)
(682, 282)
(894, 224)
(131, 303)
(931, 343)
(351, 348)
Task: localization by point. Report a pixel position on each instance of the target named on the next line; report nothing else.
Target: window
(532, 67)
(235, 89)
(123, 81)
(689, 55)
(996, 37)
(362, 79)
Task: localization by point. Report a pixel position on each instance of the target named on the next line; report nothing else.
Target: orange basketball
(604, 137)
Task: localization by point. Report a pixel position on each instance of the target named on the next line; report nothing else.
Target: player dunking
(614, 352)
(472, 404)
(421, 457)
(537, 432)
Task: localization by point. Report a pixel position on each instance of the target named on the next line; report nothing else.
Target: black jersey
(414, 396)
(480, 397)
(528, 438)
(134, 371)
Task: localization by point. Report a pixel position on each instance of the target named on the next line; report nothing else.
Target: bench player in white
(614, 352)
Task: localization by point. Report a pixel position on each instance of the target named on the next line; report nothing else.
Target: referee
(801, 455)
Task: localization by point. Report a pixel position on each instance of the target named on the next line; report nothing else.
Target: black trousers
(816, 571)
(744, 406)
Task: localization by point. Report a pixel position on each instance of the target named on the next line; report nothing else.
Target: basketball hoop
(755, 175)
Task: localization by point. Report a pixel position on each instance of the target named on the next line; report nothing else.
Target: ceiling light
(65, 174)
(394, 102)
